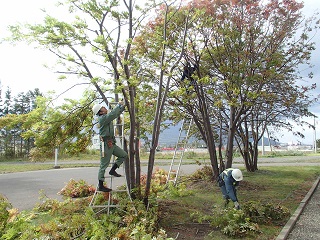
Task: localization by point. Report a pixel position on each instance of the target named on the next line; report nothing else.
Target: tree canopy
(245, 57)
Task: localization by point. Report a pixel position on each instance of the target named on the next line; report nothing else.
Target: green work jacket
(106, 121)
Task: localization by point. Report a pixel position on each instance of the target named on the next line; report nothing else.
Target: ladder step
(105, 206)
(111, 191)
(113, 176)
(113, 205)
(98, 206)
(101, 191)
(118, 191)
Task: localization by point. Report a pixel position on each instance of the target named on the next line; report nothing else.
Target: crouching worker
(228, 181)
(108, 145)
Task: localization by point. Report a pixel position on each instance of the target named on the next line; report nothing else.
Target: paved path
(22, 189)
(304, 224)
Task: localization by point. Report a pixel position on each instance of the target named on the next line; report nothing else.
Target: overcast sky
(21, 66)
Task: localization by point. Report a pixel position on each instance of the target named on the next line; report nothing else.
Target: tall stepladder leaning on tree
(108, 146)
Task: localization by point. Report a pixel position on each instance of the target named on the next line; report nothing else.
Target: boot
(113, 171)
(102, 188)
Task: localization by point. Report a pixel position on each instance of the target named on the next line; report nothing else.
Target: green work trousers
(105, 160)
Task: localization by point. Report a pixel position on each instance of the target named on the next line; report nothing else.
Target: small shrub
(100, 199)
(19, 227)
(48, 205)
(204, 173)
(75, 189)
(231, 222)
(158, 182)
(13, 214)
(265, 213)
(275, 212)
(235, 223)
(240, 228)
(4, 213)
(177, 191)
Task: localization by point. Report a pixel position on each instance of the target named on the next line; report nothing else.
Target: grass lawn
(280, 186)
(11, 168)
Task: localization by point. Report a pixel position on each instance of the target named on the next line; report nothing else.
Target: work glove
(237, 205)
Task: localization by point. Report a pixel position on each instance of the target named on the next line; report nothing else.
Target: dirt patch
(300, 193)
(174, 218)
(245, 185)
(202, 185)
(189, 231)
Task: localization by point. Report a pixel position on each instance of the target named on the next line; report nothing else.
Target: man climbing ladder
(108, 145)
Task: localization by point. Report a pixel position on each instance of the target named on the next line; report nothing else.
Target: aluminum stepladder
(179, 150)
(98, 208)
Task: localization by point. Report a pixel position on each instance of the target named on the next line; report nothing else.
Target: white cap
(237, 174)
(96, 108)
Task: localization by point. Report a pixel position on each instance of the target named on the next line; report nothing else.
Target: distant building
(95, 142)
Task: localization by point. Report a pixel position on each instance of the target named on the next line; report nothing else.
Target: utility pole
(262, 143)
(315, 134)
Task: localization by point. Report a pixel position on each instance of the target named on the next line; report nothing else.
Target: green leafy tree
(96, 47)
(88, 46)
(288, 102)
(246, 55)
(23, 103)
(254, 66)
(68, 127)
(6, 136)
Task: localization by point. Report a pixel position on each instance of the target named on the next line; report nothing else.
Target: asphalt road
(22, 189)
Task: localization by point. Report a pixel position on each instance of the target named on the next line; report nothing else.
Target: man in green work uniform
(108, 145)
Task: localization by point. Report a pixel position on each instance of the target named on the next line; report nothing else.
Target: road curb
(294, 218)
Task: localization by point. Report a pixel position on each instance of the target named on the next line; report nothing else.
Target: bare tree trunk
(208, 130)
(161, 99)
(138, 162)
(221, 162)
(231, 134)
